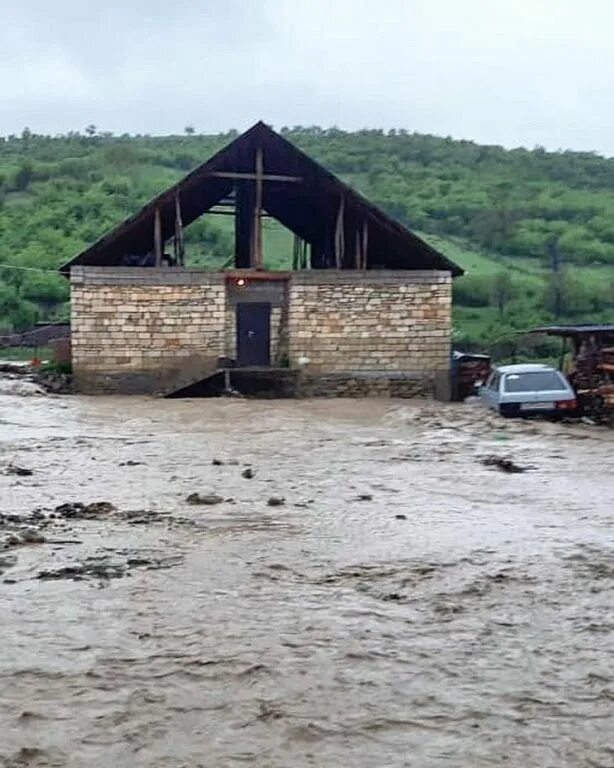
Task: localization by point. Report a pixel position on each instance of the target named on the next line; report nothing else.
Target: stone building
(366, 307)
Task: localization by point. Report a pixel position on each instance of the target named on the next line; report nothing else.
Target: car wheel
(509, 411)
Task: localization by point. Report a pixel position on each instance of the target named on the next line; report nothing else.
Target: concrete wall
(145, 330)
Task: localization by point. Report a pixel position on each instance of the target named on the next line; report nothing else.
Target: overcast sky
(512, 72)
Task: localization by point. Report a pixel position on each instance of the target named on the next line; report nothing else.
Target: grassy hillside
(506, 216)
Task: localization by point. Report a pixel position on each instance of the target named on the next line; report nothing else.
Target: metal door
(253, 334)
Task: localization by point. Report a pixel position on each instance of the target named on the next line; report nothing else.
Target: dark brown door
(253, 334)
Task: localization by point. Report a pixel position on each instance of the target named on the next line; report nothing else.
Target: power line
(28, 269)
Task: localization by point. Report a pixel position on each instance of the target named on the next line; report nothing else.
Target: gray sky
(512, 72)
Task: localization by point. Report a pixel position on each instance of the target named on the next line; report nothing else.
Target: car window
(532, 382)
(494, 382)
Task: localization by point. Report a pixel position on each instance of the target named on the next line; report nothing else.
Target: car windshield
(531, 382)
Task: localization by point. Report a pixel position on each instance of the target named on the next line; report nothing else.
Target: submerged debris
(31, 536)
(13, 469)
(102, 568)
(209, 499)
(21, 537)
(97, 570)
(79, 511)
(248, 473)
(276, 501)
(503, 464)
(8, 561)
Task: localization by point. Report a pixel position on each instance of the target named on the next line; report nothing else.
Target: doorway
(253, 334)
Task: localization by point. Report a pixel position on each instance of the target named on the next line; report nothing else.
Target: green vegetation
(534, 230)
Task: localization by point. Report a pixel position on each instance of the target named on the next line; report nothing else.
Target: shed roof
(575, 330)
(303, 207)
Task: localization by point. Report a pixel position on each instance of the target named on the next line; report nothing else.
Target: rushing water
(406, 606)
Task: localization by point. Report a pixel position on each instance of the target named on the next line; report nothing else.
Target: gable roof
(307, 208)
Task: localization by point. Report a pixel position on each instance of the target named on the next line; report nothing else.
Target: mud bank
(411, 602)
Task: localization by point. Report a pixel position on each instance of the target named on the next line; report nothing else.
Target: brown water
(478, 631)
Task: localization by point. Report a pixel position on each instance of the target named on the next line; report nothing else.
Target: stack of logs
(593, 380)
(470, 371)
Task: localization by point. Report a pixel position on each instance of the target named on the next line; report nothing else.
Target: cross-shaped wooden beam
(255, 177)
(259, 177)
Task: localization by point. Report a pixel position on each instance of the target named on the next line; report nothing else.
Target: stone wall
(370, 321)
(144, 330)
(362, 384)
(149, 330)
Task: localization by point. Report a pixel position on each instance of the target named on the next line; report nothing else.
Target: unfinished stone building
(365, 308)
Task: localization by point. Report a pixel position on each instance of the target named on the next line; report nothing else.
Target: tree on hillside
(23, 176)
(502, 291)
(557, 288)
(494, 225)
(189, 130)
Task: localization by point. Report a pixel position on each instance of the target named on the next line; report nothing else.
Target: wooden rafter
(340, 235)
(179, 242)
(255, 177)
(257, 240)
(158, 237)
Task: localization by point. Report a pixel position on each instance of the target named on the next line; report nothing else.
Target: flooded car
(526, 389)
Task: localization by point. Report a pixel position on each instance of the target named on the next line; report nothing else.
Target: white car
(530, 388)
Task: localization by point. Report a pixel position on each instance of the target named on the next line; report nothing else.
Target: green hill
(506, 216)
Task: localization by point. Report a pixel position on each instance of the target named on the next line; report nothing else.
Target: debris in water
(12, 540)
(91, 569)
(130, 463)
(209, 499)
(79, 511)
(505, 465)
(102, 568)
(217, 463)
(248, 473)
(365, 497)
(31, 536)
(13, 469)
(276, 501)
(400, 517)
(7, 562)
(24, 536)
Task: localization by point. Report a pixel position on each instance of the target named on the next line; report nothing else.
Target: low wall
(359, 384)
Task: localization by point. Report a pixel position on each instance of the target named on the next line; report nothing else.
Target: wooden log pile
(593, 380)
(469, 372)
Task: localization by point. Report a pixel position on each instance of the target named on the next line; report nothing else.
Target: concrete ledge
(144, 276)
(383, 384)
(144, 381)
(369, 277)
(102, 383)
(177, 276)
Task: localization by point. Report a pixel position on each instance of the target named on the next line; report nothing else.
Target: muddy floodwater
(369, 593)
